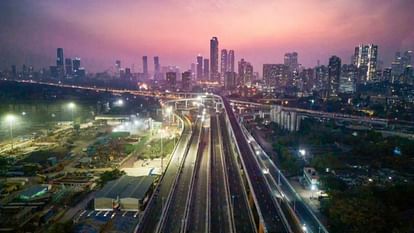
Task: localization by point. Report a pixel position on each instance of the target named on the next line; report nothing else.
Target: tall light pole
(162, 150)
(72, 107)
(168, 111)
(10, 119)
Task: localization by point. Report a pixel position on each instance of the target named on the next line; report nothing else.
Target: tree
(110, 175)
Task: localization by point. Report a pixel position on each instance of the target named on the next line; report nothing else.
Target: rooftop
(127, 187)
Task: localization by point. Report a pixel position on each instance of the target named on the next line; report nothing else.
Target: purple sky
(261, 31)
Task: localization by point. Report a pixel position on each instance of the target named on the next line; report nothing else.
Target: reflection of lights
(313, 187)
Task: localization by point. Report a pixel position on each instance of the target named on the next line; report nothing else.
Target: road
(173, 219)
(199, 211)
(241, 215)
(221, 217)
(153, 211)
(267, 206)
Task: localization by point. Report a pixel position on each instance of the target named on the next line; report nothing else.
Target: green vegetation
(58, 227)
(371, 209)
(137, 147)
(154, 149)
(339, 145)
(360, 209)
(288, 161)
(110, 175)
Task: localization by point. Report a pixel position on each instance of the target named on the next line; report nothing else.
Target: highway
(198, 218)
(172, 220)
(243, 219)
(153, 211)
(268, 208)
(221, 217)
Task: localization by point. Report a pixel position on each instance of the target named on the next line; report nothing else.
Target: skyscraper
(334, 75)
(214, 73)
(186, 81)
(291, 60)
(206, 69)
(231, 60)
(171, 77)
(245, 73)
(199, 67)
(157, 68)
(366, 59)
(230, 80)
(118, 68)
(347, 83)
(59, 58)
(68, 66)
(275, 76)
(60, 63)
(76, 65)
(223, 63)
(145, 66)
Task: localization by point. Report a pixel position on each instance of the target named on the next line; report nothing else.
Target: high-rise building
(59, 58)
(145, 65)
(76, 65)
(276, 76)
(334, 75)
(118, 68)
(366, 59)
(157, 68)
(245, 73)
(223, 63)
(291, 61)
(347, 82)
(171, 79)
(199, 67)
(230, 80)
(214, 59)
(206, 69)
(400, 63)
(193, 68)
(186, 81)
(60, 63)
(68, 67)
(321, 78)
(230, 63)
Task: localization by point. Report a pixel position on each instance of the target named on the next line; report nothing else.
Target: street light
(119, 103)
(162, 157)
(10, 119)
(304, 228)
(72, 107)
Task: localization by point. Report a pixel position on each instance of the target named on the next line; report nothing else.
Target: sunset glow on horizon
(177, 30)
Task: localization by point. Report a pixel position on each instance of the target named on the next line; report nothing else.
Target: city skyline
(115, 35)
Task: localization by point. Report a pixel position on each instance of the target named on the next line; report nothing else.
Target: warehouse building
(128, 193)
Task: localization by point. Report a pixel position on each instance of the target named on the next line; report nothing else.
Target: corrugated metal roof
(127, 187)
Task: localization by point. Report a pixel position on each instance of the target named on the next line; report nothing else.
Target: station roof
(127, 187)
